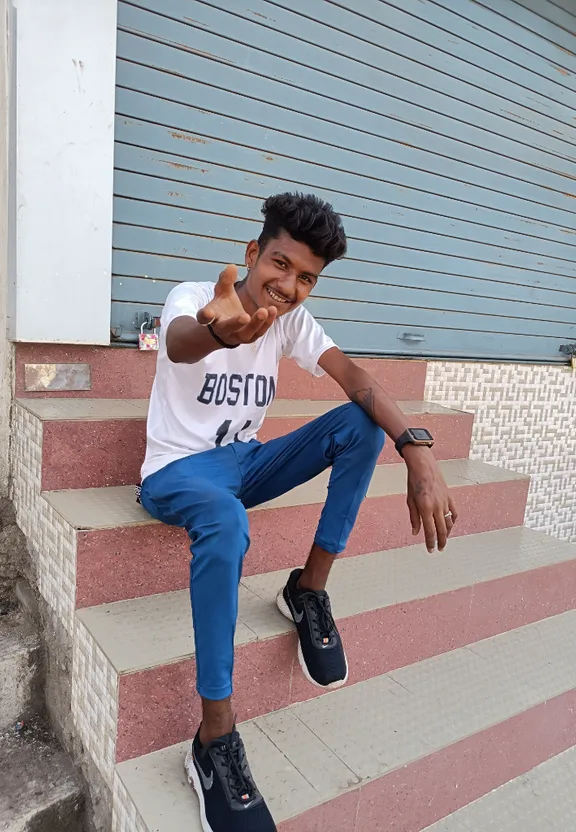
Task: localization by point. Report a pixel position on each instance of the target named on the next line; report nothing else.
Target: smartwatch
(414, 436)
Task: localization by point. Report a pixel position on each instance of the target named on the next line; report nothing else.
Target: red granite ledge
(337, 814)
(452, 433)
(158, 706)
(90, 454)
(96, 454)
(417, 795)
(119, 373)
(401, 378)
(129, 562)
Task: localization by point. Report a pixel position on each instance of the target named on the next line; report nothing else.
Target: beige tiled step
(144, 632)
(393, 608)
(542, 800)
(100, 508)
(347, 742)
(71, 410)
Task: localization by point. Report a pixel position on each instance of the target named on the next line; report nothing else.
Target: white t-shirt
(224, 397)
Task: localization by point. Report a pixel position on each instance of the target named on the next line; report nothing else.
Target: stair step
(542, 799)
(396, 752)
(19, 670)
(39, 788)
(117, 373)
(393, 608)
(122, 552)
(78, 435)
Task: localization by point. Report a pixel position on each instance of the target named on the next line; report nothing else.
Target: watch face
(421, 435)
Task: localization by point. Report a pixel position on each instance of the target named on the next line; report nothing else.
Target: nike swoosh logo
(207, 782)
(297, 616)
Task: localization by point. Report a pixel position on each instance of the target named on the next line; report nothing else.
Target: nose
(287, 285)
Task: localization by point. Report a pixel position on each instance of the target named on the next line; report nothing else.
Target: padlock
(148, 340)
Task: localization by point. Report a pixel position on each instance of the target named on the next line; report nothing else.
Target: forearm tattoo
(365, 398)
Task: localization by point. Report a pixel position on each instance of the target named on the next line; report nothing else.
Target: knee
(371, 436)
(223, 524)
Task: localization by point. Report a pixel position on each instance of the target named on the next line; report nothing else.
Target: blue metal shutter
(446, 140)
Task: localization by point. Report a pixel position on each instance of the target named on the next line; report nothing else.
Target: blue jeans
(208, 494)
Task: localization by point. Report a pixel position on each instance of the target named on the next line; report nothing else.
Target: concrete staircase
(39, 788)
(462, 671)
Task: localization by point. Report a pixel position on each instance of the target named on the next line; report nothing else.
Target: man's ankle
(311, 582)
(217, 720)
(209, 732)
(314, 576)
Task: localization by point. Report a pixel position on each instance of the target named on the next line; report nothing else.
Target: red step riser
(90, 454)
(419, 794)
(158, 708)
(117, 564)
(128, 374)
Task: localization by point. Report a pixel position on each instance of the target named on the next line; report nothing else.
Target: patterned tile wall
(125, 816)
(95, 701)
(525, 420)
(52, 542)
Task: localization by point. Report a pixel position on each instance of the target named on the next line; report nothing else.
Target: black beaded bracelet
(219, 340)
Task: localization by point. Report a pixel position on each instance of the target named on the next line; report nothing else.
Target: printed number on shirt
(222, 431)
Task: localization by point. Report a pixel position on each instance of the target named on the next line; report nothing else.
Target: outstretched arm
(428, 497)
(189, 340)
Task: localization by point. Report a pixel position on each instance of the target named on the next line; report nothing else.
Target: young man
(217, 369)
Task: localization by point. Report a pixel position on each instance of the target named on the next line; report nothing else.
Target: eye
(306, 278)
(281, 264)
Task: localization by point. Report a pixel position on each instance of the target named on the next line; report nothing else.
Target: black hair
(307, 219)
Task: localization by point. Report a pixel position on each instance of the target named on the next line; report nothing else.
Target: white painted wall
(65, 62)
(5, 346)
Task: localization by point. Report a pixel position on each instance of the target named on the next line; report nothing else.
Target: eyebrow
(285, 257)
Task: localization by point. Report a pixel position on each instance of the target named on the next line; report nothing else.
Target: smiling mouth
(276, 297)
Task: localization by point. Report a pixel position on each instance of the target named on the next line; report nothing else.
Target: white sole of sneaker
(194, 780)
(285, 610)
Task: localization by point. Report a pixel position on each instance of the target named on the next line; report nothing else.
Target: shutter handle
(412, 337)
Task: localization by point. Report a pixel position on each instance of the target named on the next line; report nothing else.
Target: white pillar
(64, 64)
(5, 346)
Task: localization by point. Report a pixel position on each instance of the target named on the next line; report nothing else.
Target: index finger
(226, 280)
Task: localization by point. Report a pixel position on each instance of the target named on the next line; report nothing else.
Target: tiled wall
(525, 420)
(95, 701)
(52, 544)
(125, 817)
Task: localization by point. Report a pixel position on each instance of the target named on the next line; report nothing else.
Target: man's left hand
(430, 505)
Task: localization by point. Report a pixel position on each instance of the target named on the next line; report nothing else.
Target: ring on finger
(209, 322)
(448, 515)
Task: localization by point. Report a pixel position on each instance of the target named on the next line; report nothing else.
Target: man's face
(282, 274)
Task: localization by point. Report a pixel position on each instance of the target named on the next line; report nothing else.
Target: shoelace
(238, 779)
(323, 617)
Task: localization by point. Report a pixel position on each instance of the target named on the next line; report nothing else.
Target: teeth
(275, 297)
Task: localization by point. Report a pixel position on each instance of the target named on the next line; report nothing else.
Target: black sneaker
(221, 777)
(320, 649)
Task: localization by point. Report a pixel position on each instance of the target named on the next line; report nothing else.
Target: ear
(252, 252)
